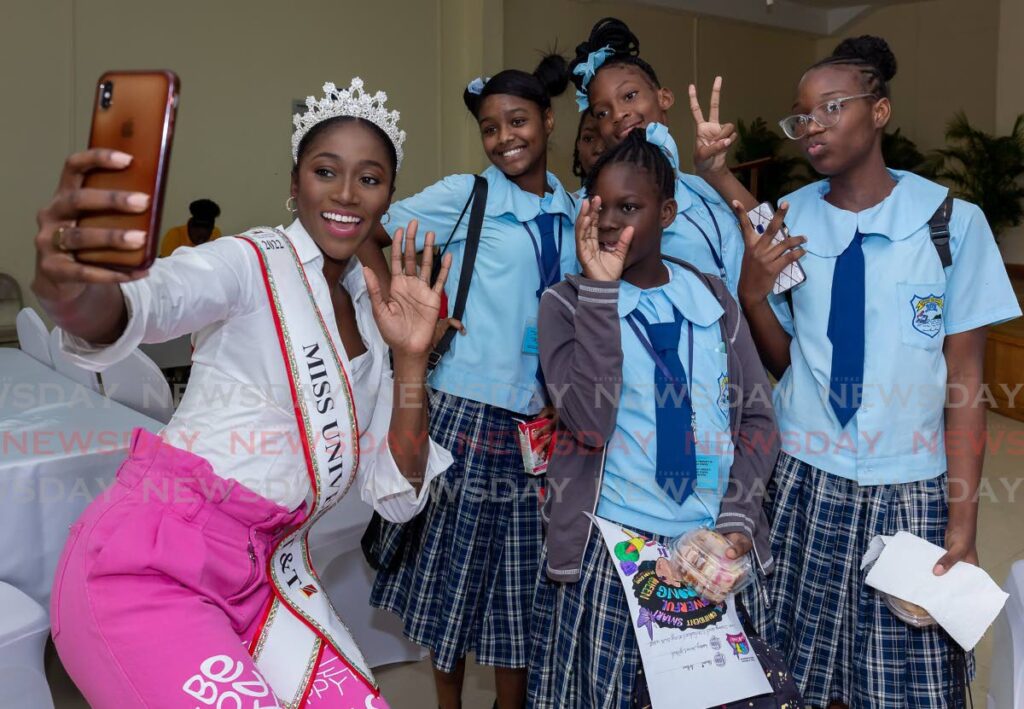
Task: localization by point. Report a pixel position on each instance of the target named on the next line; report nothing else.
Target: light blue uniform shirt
(489, 364)
(629, 493)
(911, 304)
(699, 201)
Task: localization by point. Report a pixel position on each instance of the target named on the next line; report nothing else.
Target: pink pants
(163, 584)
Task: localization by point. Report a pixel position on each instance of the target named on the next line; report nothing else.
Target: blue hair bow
(587, 70)
(476, 86)
(657, 134)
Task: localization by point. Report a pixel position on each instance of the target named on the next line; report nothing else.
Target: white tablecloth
(1006, 681)
(60, 446)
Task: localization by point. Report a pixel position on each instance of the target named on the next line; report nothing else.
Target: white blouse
(237, 410)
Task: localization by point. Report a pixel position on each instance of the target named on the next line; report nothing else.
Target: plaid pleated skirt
(840, 640)
(461, 574)
(583, 653)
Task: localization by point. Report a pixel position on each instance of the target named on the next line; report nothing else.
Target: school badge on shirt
(928, 313)
(723, 392)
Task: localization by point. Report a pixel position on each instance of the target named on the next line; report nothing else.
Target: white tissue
(964, 601)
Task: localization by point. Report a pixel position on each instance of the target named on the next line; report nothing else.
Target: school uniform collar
(907, 209)
(684, 290)
(313, 259)
(505, 197)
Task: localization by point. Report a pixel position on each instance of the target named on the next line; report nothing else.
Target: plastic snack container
(699, 556)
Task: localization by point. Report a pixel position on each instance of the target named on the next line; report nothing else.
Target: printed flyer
(695, 653)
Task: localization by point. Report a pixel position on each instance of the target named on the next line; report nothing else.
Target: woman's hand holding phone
(59, 278)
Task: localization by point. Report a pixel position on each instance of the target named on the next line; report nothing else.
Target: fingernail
(138, 200)
(120, 159)
(135, 237)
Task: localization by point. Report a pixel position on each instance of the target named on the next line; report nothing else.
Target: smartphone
(792, 275)
(133, 112)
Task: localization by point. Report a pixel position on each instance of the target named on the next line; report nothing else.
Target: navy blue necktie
(676, 465)
(846, 332)
(550, 268)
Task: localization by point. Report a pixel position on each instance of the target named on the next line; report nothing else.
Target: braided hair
(647, 157)
(614, 33)
(871, 56)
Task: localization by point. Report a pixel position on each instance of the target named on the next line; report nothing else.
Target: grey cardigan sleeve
(756, 446)
(581, 356)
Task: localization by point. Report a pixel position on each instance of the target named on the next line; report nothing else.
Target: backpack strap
(476, 220)
(938, 228)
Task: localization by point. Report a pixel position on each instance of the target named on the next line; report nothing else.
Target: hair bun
(553, 74)
(871, 49)
(610, 32)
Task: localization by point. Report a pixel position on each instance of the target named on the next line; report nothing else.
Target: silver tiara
(349, 102)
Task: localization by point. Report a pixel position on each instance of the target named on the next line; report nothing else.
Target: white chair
(63, 364)
(139, 384)
(1006, 682)
(11, 304)
(33, 337)
(347, 578)
(24, 627)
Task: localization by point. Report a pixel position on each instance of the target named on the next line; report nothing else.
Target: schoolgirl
(630, 436)
(622, 91)
(461, 576)
(891, 318)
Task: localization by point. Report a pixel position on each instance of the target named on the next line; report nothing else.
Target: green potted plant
(775, 178)
(986, 169)
(901, 153)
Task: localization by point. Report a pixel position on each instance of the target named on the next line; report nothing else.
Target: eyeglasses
(825, 115)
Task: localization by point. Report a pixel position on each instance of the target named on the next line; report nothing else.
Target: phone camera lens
(106, 94)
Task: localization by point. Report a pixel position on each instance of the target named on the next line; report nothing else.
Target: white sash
(299, 619)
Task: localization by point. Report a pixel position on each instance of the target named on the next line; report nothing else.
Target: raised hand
(713, 138)
(600, 263)
(762, 260)
(406, 316)
(59, 278)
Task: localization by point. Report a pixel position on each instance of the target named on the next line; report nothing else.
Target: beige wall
(241, 66)
(682, 48)
(240, 70)
(953, 55)
(946, 51)
(1010, 98)
(35, 129)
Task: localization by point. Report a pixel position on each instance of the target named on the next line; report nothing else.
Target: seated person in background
(199, 229)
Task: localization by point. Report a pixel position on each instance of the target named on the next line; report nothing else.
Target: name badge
(707, 472)
(530, 338)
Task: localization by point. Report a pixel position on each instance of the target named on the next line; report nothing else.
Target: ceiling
(821, 17)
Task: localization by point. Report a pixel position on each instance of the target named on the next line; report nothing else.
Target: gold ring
(58, 239)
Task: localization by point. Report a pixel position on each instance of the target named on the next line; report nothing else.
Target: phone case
(134, 113)
(793, 274)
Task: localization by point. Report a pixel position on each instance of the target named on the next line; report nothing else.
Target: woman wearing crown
(188, 583)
